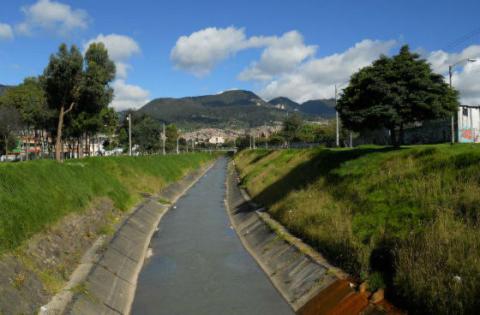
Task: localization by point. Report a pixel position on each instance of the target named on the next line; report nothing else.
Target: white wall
(468, 125)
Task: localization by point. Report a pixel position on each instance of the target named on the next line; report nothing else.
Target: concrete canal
(199, 265)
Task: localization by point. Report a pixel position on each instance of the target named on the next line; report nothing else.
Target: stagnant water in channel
(199, 265)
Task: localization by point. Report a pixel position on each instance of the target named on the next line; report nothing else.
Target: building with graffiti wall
(469, 124)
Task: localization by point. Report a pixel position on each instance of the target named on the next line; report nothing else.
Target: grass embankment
(406, 218)
(34, 195)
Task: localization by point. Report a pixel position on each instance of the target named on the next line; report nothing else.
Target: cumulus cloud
(282, 55)
(287, 66)
(120, 49)
(465, 74)
(128, 96)
(315, 78)
(201, 51)
(6, 31)
(52, 16)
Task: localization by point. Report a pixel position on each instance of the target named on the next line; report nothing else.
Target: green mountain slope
(284, 102)
(323, 108)
(232, 109)
(3, 88)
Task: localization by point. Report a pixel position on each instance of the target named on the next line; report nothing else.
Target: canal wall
(106, 279)
(307, 281)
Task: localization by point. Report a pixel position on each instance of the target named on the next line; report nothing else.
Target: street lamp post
(450, 74)
(337, 123)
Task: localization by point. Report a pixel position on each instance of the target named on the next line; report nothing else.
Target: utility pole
(129, 118)
(337, 139)
(164, 137)
(253, 137)
(452, 122)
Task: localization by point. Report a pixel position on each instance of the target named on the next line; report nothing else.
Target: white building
(469, 124)
(216, 140)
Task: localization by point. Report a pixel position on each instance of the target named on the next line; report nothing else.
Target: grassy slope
(34, 195)
(409, 215)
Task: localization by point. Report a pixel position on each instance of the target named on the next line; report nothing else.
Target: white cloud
(52, 16)
(201, 51)
(128, 96)
(465, 74)
(315, 78)
(122, 69)
(120, 48)
(282, 55)
(288, 67)
(6, 31)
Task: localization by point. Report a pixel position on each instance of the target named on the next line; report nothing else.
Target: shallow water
(199, 265)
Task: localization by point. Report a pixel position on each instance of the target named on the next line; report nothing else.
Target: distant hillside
(232, 109)
(3, 88)
(323, 108)
(284, 103)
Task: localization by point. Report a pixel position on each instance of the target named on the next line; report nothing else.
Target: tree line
(67, 104)
(294, 130)
(66, 107)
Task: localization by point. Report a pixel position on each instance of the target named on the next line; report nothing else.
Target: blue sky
(298, 49)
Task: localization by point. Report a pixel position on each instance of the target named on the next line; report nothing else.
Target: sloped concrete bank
(107, 283)
(31, 274)
(304, 278)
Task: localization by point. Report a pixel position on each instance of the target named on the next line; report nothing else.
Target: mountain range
(3, 88)
(232, 109)
(323, 108)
